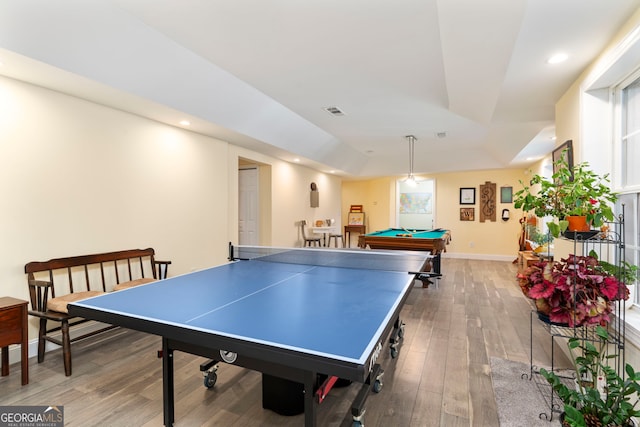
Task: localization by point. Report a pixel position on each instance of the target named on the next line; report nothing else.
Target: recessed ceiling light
(296, 160)
(557, 58)
(185, 122)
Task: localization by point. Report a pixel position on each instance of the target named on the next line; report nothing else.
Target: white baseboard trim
(14, 350)
(481, 257)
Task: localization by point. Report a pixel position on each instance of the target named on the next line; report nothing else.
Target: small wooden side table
(348, 229)
(14, 330)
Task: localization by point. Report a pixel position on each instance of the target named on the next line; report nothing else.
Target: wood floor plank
(427, 409)
(456, 382)
(483, 406)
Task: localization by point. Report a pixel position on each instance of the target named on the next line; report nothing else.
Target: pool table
(434, 241)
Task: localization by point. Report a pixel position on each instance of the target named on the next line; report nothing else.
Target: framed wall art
(355, 218)
(564, 151)
(467, 214)
(506, 194)
(467, 196)
(488, 201)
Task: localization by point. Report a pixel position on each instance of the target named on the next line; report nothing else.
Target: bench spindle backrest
(55, 266)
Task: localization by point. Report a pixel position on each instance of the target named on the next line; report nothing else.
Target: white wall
(290, 188)
(79, 178)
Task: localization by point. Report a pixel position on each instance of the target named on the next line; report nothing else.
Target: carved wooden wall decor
(487, 201)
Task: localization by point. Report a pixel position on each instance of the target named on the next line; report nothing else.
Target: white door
(248, 206)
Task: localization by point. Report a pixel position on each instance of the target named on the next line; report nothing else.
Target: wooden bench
(55, 283)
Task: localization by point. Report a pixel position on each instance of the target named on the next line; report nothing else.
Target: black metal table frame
(279, 362)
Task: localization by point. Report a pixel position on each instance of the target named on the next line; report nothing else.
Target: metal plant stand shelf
(609, 247)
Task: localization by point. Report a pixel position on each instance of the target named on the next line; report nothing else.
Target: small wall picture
(506, 194)
(467, 214)
(467, 196)
(563, 152)
(356, 218)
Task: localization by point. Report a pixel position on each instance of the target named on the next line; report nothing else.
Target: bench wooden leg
(42, 332)
(66, 348)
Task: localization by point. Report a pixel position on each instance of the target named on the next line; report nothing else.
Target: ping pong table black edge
(284, 363)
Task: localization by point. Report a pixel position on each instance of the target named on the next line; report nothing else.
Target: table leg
(24, 364)
(167, 383)
(5, 361)
(310, 403)
(24, 348)
(436, 263)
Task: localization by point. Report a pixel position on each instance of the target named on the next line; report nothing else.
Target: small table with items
(324, 230)
(13, 330)
(355, 222)
(348, 229)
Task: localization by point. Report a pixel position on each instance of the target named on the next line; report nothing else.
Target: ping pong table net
(403, 261)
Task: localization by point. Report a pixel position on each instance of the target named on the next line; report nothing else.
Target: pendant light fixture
(410, 179)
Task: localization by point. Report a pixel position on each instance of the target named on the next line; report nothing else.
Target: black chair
(335, 236)
(308, 241)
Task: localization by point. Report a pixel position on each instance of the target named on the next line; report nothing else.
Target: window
(630, 133)
(631, 233)
(610, 136)
(628, 94)
(415, 204)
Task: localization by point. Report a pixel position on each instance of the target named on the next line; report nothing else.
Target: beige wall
(79, 178)
(289, 186)
(470, 239)
(376, 198)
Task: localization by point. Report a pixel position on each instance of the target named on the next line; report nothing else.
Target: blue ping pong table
(295, 314)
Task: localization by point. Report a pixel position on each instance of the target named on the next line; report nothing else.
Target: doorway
(415, 204)
(248, 206)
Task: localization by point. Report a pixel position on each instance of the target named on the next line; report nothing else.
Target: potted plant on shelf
(600, 397)
(576, 191)
(572, 292)
(625, 272)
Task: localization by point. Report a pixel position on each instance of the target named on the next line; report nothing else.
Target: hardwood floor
(440, 378)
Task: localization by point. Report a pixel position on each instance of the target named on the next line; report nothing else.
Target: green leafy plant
(570, 191)
(536, 236)
(587, 404)
(625, 272)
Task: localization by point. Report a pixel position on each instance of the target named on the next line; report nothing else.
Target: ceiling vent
(441, 134)
(334, 111)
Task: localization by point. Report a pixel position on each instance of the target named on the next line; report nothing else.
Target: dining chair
(311, 240)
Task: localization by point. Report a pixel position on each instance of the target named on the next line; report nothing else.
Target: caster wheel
(394, 352)
(358, 424)
(210, 379)
(401, 332)
(377, 386)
